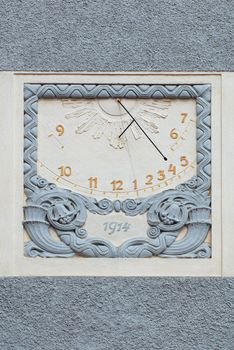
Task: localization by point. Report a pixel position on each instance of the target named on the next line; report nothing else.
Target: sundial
(118, 170)
(114, 174)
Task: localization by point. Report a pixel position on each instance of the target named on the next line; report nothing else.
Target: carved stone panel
(174, 221)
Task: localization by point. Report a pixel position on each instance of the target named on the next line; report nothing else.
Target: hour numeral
(172, 169)
(161, 175)
(60, 129)
(174, 134)
(135, 184)
(65, 170)
(183, 161)
(149, 180)
(183, 117)
(93, 182)
(117, 185)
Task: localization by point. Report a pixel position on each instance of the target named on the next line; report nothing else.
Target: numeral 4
(172, 169)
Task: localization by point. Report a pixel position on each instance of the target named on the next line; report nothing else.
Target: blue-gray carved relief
(185, 207)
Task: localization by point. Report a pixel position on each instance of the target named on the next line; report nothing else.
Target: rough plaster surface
(116, 313)
(160, 35)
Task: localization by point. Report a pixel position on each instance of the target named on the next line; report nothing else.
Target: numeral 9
(112, 227)
(60, 129)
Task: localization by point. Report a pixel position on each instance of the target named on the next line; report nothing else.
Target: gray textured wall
(116, 313)
(116, 35)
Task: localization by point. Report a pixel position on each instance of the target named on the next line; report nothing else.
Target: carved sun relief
(103, 118)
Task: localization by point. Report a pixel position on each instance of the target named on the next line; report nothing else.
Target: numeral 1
(135, 184)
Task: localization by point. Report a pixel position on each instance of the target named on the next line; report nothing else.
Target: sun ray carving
(91, 118)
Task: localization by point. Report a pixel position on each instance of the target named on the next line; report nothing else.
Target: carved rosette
(185, 209)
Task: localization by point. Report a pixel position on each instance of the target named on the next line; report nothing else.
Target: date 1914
(112, 227)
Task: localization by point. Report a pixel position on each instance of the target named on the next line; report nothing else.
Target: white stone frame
(11, 237)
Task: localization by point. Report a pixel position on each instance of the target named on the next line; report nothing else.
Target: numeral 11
(93, 182)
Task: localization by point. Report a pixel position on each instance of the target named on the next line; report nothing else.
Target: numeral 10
(65, 170)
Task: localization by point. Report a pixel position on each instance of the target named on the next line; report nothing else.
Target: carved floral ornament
(185, 208)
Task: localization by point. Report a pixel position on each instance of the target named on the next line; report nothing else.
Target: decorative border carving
(188, 205)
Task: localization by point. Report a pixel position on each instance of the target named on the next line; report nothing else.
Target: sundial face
(117, 171)
(80, 146)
